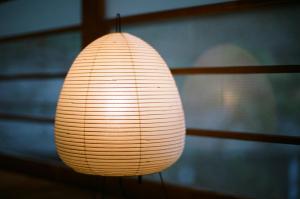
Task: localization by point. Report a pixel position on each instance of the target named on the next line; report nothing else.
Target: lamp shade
(119, 112)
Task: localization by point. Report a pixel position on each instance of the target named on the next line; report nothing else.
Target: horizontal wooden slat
(29, 76)
(40, 33)
(245, 136)
(237, 70)
(26, 118)
(217, 8)
(178, 71)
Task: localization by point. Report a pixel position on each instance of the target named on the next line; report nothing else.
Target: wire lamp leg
(103, 188)
(123, 193)
(164, 188)
(140, 179)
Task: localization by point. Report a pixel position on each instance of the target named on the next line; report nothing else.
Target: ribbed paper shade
(119, 112)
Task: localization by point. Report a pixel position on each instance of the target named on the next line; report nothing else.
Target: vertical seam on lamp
(138, 103)
(84, 117)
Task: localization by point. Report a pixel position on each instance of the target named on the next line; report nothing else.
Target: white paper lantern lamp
(119, 112)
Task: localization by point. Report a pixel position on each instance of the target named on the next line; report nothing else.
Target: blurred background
(40, 39)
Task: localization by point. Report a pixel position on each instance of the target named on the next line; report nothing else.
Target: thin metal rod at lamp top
(118, 22)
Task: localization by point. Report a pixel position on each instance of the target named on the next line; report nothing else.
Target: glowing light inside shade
(119, 112)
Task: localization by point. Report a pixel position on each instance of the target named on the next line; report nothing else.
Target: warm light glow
(119, 112)
(230, 98)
